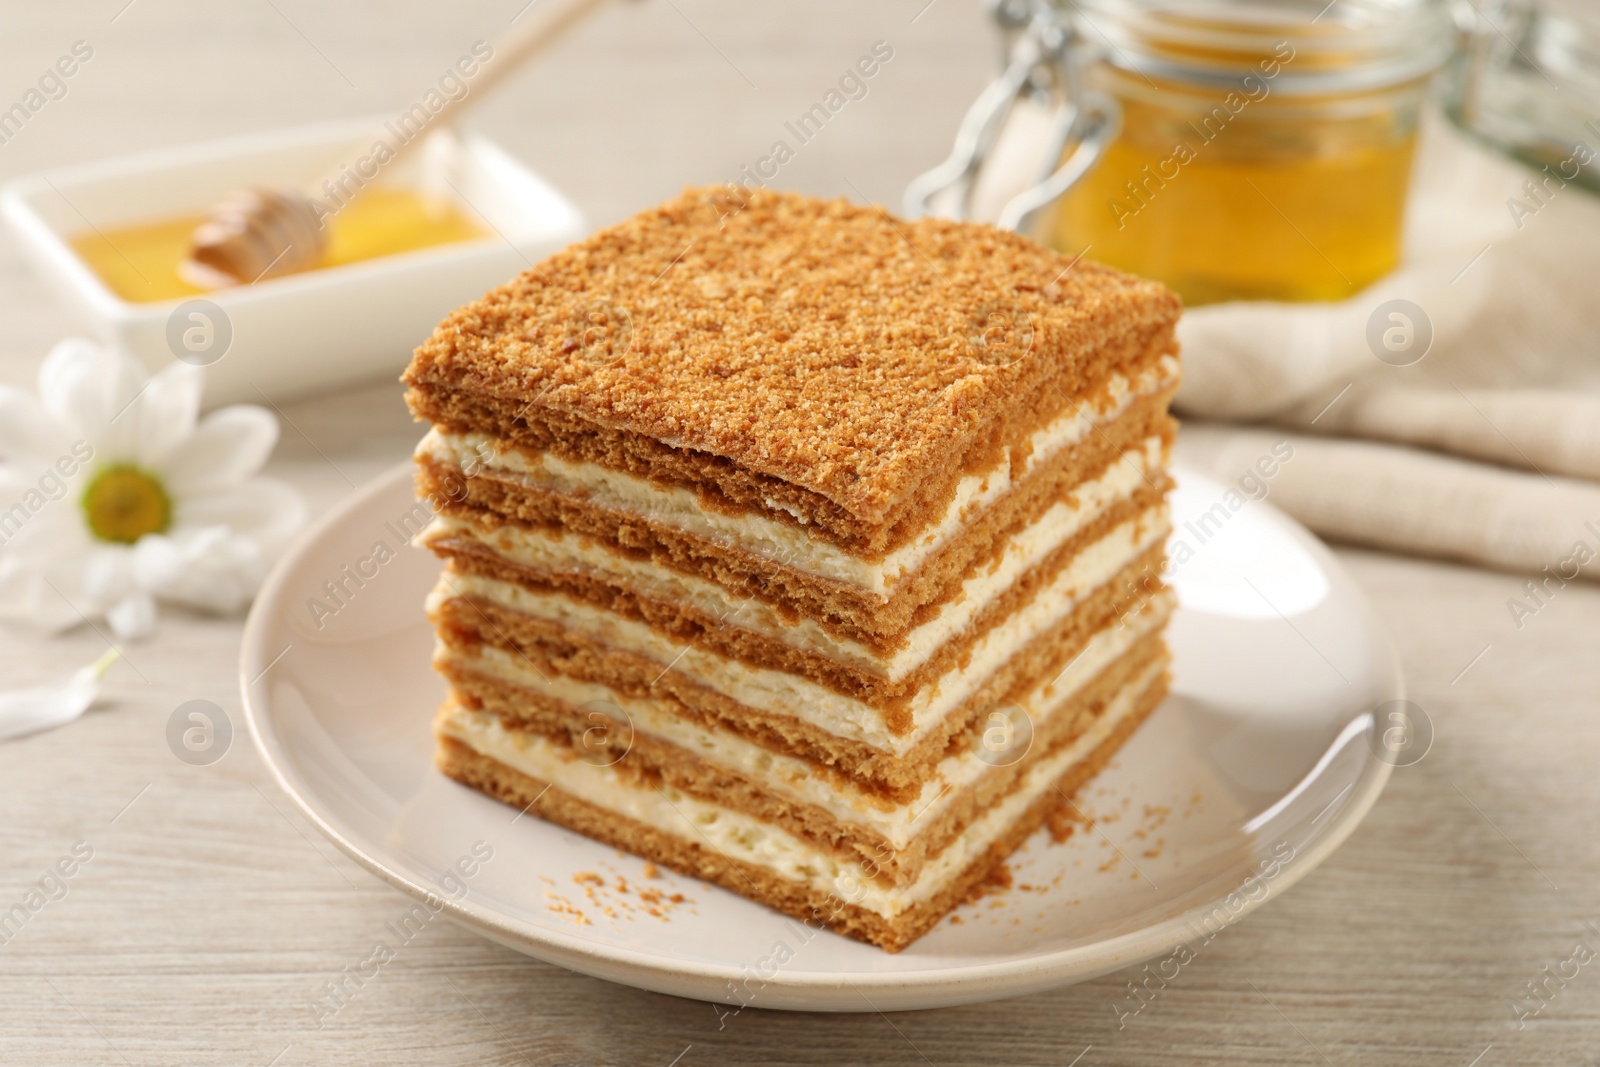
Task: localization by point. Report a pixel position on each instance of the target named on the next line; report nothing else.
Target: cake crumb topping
(817, 341)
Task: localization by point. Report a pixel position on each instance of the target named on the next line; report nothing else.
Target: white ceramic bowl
(303, 332)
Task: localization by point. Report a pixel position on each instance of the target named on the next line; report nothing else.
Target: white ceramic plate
(1254, 770)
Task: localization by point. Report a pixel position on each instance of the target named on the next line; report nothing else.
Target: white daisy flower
(113, 495)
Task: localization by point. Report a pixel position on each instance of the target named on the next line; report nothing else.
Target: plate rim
(936, 987)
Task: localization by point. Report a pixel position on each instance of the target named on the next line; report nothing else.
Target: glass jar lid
(1318, 46)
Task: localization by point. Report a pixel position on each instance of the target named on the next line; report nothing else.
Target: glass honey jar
(1232, 149)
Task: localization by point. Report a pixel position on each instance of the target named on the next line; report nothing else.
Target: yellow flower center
(123, 503)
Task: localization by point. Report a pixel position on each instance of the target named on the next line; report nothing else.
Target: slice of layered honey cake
(801, 549)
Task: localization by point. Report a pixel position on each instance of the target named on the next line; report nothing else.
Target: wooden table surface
(211, 912)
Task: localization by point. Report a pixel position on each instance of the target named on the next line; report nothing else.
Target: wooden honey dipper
(264, 232)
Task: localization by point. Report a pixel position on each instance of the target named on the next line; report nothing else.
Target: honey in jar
(1265, 149)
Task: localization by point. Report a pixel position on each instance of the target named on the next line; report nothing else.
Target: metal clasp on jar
(1045, 62)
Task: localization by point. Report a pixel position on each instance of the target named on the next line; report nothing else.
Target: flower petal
(165, 413)
(133, 617)
(220, 571)
(90, 388)
(25, 711)
(229, 444)
(265, 510)
(107, 576)
(156, 561)
(30, 436)
(13, 482)
(49, 599)
(53, 533)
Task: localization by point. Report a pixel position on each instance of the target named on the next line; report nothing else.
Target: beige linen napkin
(1413, 500)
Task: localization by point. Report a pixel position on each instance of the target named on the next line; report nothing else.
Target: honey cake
(802, 549)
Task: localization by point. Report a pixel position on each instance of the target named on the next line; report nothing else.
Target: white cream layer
(795, 779)
(783, 693)
(569, 553)
(748, 840)
(781, 541)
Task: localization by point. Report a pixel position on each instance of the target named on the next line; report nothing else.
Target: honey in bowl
(140, 263)
(1265, 150)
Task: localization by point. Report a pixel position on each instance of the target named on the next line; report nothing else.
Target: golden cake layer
(800, 357)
